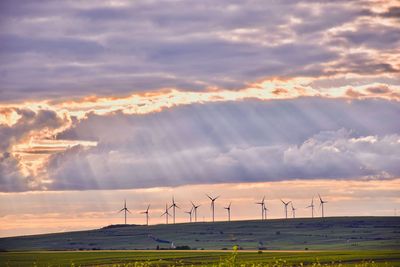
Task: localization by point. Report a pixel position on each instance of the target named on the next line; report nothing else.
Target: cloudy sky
(144, 100)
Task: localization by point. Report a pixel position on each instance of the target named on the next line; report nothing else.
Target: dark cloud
(378, 90)
(29, 121)
(362, 63)
(11, 176)
(11, 179)
(392, 12)
(73, 47)
(372, 36)
(232, 142)
(52, 49)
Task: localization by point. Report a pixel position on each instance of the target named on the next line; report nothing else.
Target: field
(200, 258)
(340, 241)
(335, 233)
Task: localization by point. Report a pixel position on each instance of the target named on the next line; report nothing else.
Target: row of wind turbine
(193, 211)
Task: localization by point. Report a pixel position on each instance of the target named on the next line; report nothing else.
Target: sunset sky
(102, 101)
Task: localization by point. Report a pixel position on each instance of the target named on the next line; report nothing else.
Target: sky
(146, 100)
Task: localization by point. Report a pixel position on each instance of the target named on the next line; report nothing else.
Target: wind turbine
(312, 207)
(124, 209)
(213, 205)
(190, 213)
(166, 213)
(286, 204)
(262, 203)
(173, 206)
(229, 211)
(322, 204)
(293, 210)
(147, 214)
(195, 210)
(265, 211)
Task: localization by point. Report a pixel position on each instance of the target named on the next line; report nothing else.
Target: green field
(334, 233)
(336, 241)
(200, 258)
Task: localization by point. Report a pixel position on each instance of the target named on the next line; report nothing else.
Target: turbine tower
(265, 211)
(293, 210)
(322, 202)
(166, 213)
(312, 207)
(124, 209)
(190, 213)
(213, 205)
(286, 204)
(229, 211)
(195, 210)
(147, 214)
(262, 203)
(173, 206)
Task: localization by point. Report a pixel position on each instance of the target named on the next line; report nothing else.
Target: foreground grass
(200, 258)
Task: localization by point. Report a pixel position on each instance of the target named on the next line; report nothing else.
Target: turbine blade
(209, 197)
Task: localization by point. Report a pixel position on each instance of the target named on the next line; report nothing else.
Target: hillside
(335, 233)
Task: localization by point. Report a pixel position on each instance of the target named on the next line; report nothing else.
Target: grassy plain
(335, 241)
(200, 258)
(334, 233)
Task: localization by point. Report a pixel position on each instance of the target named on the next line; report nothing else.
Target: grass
(332, 242)
(200, 258)
(333, 233)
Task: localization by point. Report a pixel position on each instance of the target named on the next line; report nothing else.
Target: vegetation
(334, 233)
(332, 242)
(200, 258)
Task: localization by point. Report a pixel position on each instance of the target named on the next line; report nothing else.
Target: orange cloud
(36, 145)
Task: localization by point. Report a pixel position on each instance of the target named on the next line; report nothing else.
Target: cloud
(334, 156)
(33, 135)
(24, 126)
(373, 36)
(109, 49)
(232, 142)
(228, 61)
(28, 121)
(11, 178)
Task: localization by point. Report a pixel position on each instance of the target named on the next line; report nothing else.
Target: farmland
(335, 241)
(335, 233)
(199, 258)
